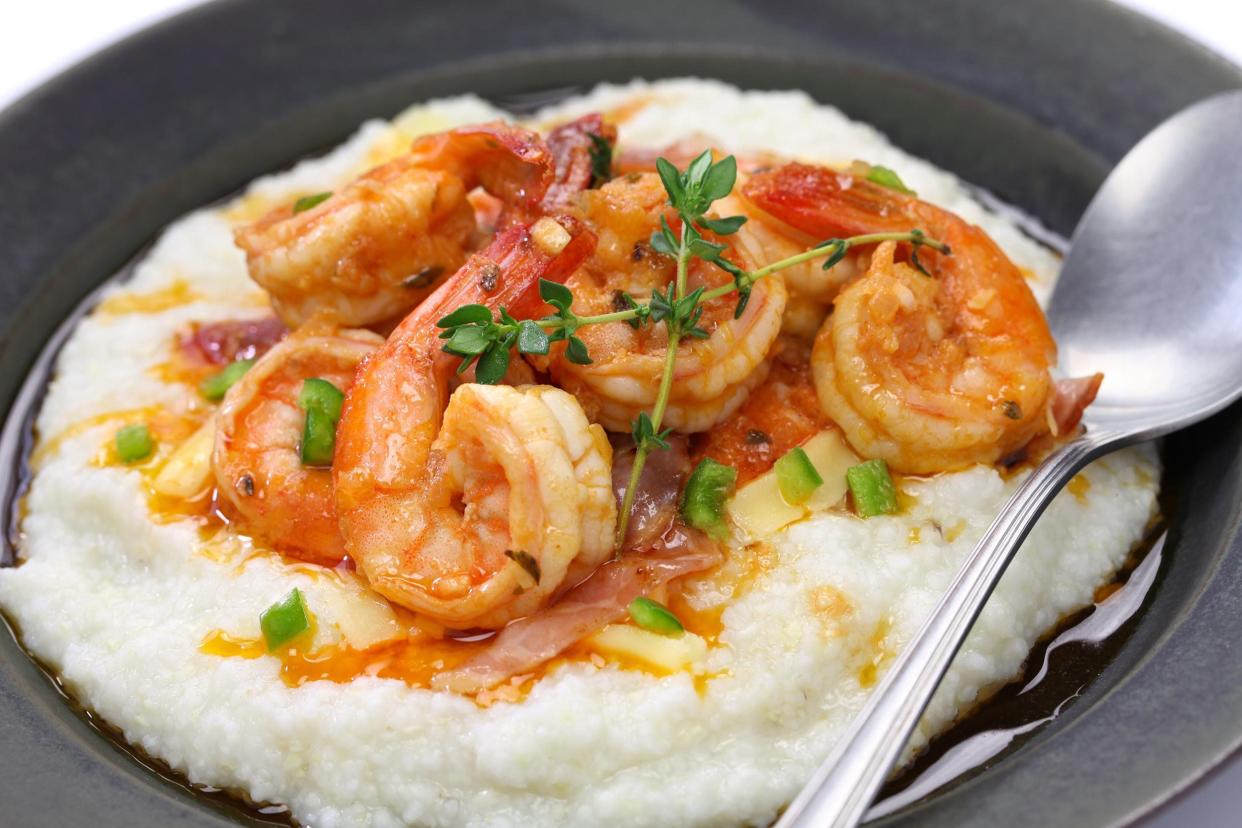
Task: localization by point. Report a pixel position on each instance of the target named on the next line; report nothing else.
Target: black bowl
(1033, 101)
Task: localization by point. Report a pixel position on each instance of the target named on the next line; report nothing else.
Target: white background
(39, 38)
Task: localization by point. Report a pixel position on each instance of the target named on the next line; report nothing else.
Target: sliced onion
(659, 487)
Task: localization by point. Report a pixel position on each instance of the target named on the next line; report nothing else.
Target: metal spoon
(1150, 294)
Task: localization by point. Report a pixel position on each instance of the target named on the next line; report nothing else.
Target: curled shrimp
(477, 513)
(712, 375)
(256, 457)
(764, 237)
(929, 372)
(376, 248)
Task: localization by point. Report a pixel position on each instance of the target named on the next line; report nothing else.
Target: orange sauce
(183, 370)
(618, 115)
(252, 207)
(414, 660)
(830, 607)
(954, 531)
(1103, 591)
(168, 429)
(738, 573)
(881, 654)
(51, 445)
(425, 651)
(177, 294)
(782, 412)
(1078, 486)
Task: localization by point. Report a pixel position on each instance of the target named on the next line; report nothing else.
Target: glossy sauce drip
(426, 649)
(176, 294)
(415, 660)
(169, 430)
(1060, 668)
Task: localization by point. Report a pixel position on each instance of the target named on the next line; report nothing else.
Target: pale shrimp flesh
(259, 473)
(712, 375)
(372, 251)
(481, 512)
(930, 371)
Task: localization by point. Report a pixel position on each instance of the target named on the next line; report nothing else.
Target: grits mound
(119, 601)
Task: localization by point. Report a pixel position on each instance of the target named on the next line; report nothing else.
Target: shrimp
(929, 373)
(256, 457)
(378, 247)
(712, 376)
(480, 512)
(765, 238)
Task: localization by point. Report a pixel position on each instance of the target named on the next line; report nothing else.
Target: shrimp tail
(431, 494)
(826, 203)
(505, 274)
(511, 163)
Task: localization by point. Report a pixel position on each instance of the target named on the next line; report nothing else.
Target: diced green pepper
(321, 394)
(134, 443)
(797, 476)
(703, 502)
(871, 487)
(322, 401)
(307, 202)
(654, 616)
(318, 439)
(887, 178)
(215, 386)
(285, 620)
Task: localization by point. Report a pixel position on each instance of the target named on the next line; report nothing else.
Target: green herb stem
(819, 252)
(750, 277)
(552, 324)
(661, 403)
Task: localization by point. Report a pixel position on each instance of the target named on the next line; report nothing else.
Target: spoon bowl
(1151, 292)
(1150, 295)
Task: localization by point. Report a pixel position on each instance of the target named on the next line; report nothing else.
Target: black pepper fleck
(423, 277)
(489, 276)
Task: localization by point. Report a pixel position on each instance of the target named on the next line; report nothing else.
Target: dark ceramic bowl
(1033, 101)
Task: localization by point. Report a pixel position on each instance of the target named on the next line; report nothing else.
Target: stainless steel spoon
(1150, 294)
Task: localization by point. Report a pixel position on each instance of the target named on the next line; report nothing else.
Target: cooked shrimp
(765, 238)
(375, 249)
(479, 513)
(929, 373)
(712, 376)
(257, 458)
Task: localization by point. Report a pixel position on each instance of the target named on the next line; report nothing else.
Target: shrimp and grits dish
(583, 469)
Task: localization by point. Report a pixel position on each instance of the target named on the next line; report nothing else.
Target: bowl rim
(132, 219)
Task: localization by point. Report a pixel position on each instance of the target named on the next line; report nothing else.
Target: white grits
(118, 604)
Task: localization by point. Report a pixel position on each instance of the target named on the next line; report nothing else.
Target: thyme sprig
(486, 342)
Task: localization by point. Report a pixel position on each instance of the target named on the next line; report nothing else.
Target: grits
(119, 603)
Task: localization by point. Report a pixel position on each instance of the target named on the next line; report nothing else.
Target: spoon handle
(846, 783)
